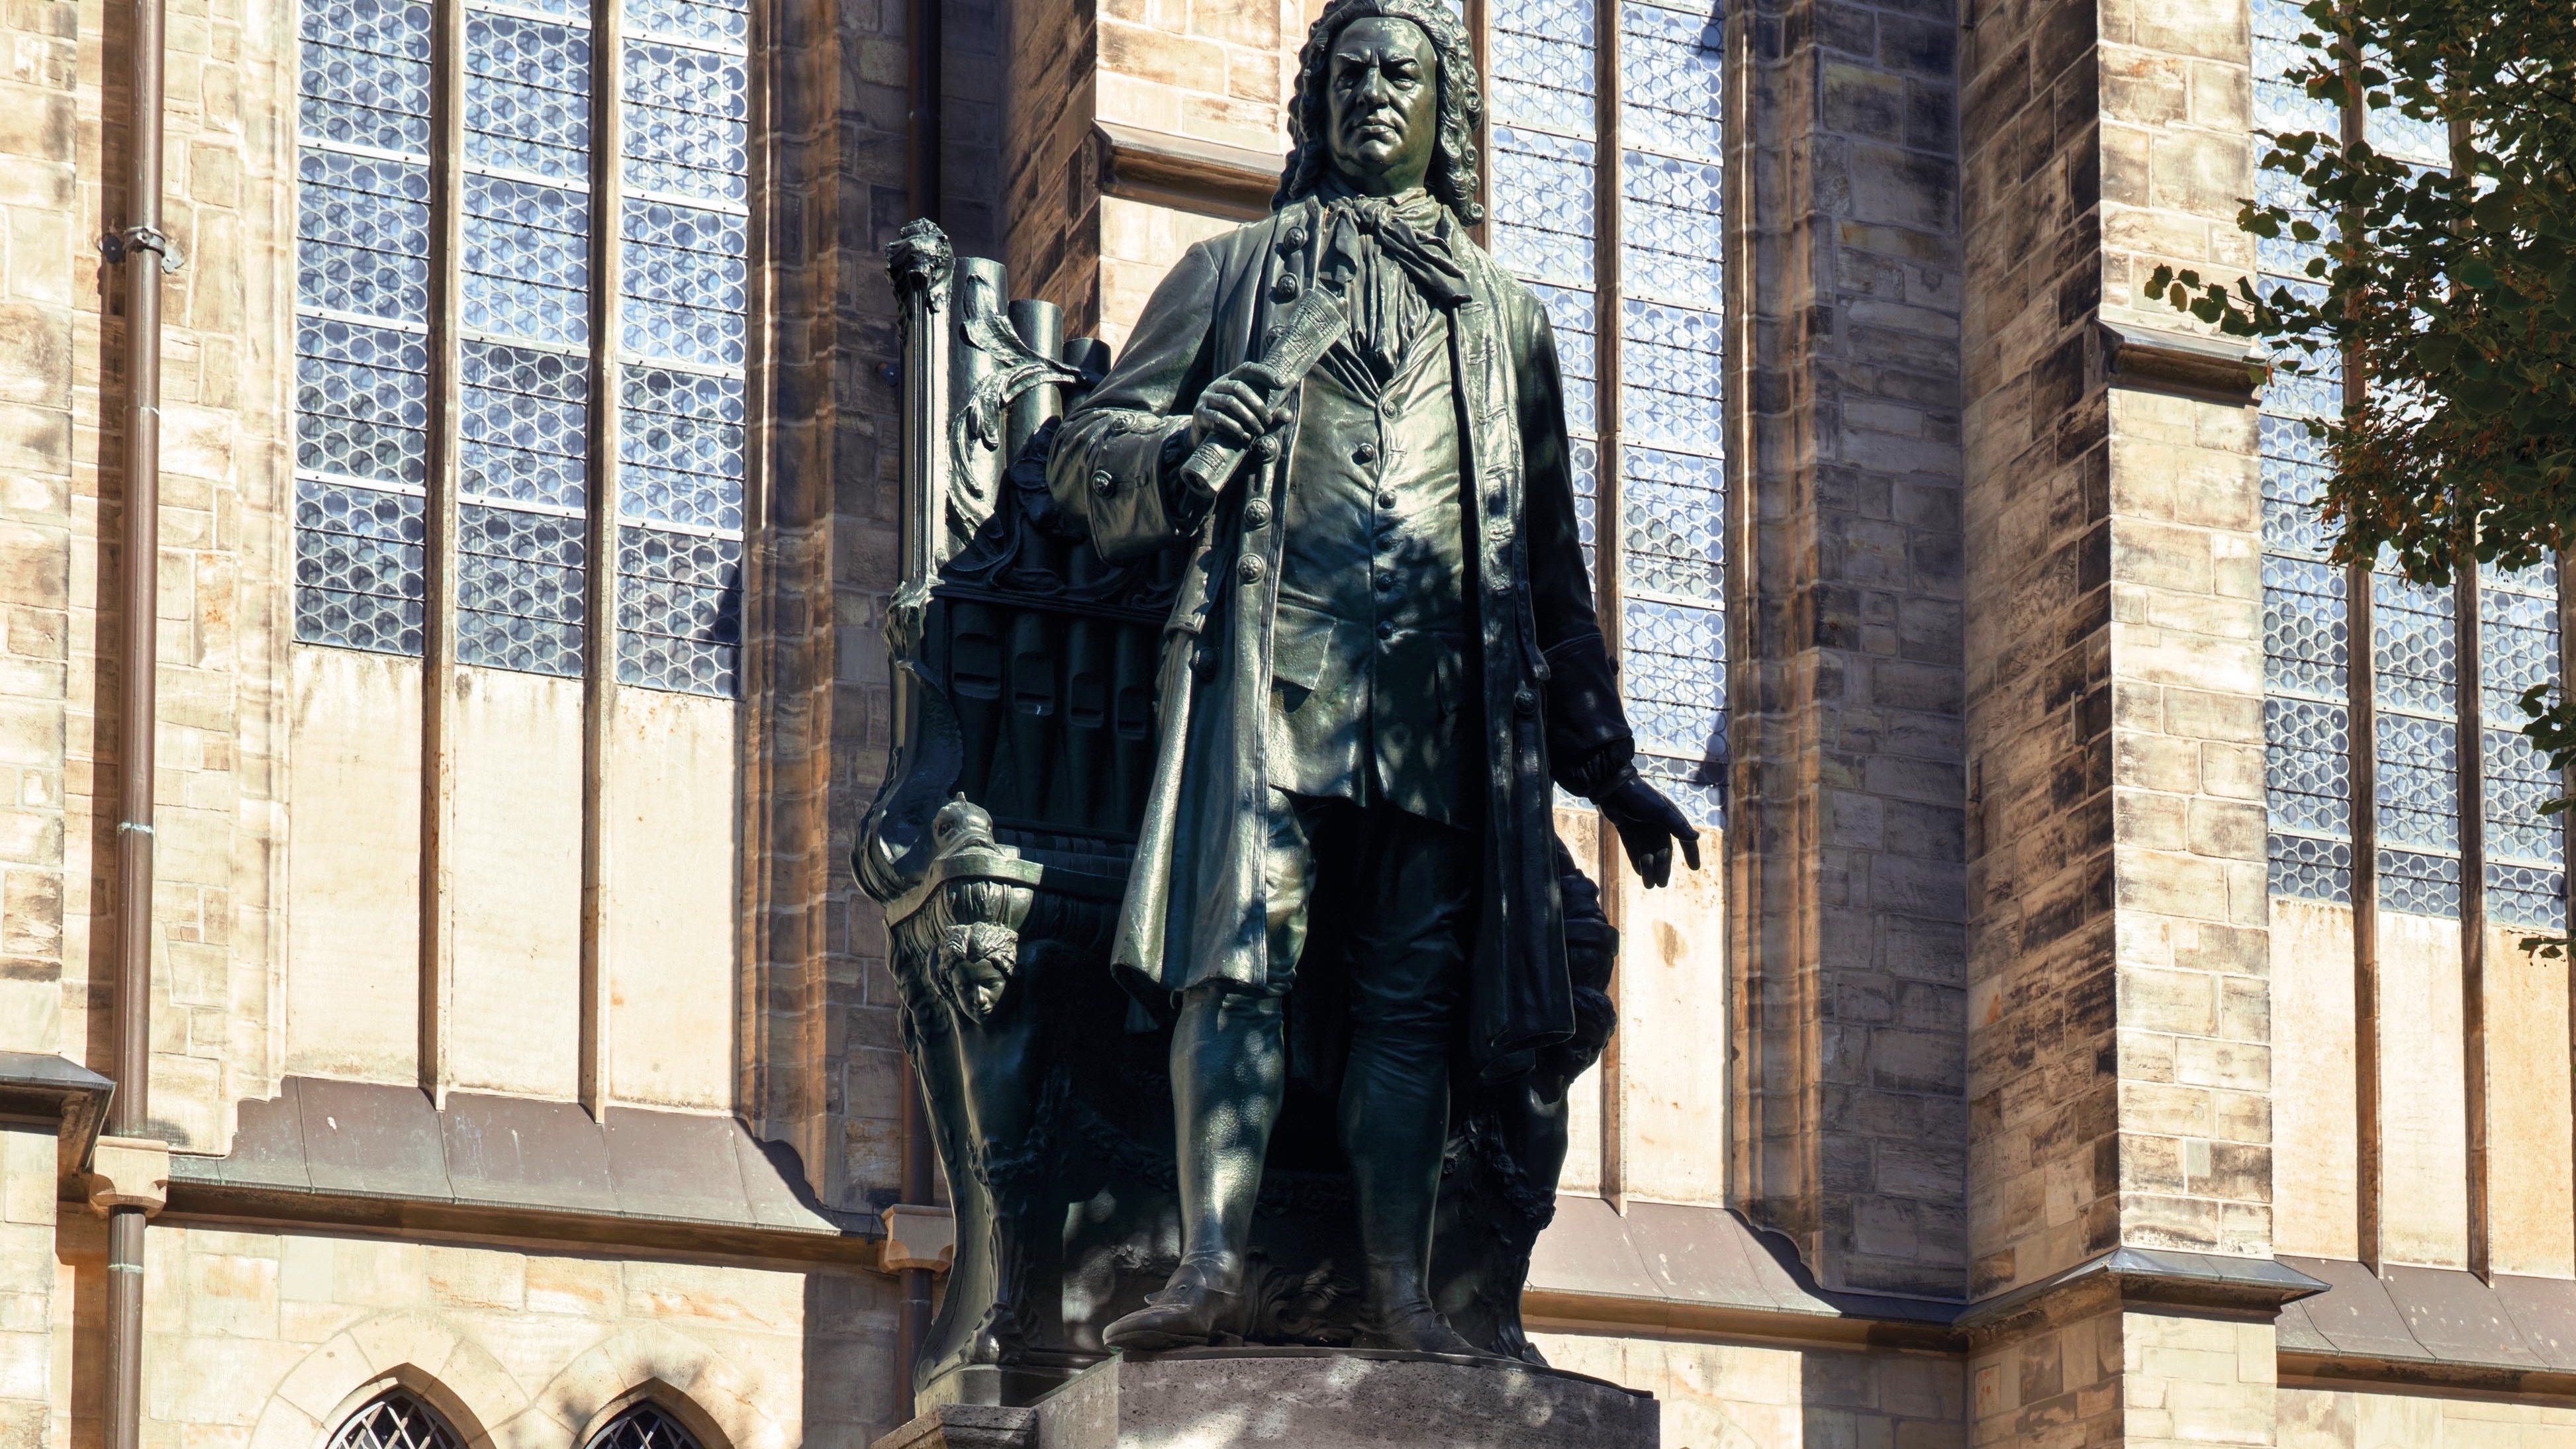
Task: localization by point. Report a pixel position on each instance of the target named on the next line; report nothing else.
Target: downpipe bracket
(119, 246)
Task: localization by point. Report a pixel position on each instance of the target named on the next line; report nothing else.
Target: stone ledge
(1185, 173)
(128, 1172)
(2223, 369)
(2439, 1327)
(64, 1096)
(919, 1237)
(367, 1154)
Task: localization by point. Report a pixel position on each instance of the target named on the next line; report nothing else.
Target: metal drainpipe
(912, 1326)
(145, 252)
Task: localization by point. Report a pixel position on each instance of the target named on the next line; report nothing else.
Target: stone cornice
(59, 1093)
(2223, 369)
(1185, 172)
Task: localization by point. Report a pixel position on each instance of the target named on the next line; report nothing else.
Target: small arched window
(645, 1426)
(395, 1419)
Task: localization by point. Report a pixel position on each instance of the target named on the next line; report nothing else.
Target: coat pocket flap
(1300, 641)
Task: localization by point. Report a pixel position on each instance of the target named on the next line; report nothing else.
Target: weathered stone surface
(1339, 1399)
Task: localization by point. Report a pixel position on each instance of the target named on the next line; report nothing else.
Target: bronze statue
(1372, 673)
(1224, 688)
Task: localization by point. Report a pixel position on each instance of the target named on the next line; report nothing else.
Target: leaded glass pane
(359, 555)
(679, 610)
(2419, 775)
(2308, 767)
(2419, 884)
(2305, 628)
(365, 74)
(528, 81)
(2308, 868)
(646, 1426)
(2518, 649)
(362, 364)
(527, 261)
(525, 429)
(2417, 655)
(680, 447)
(362, 401)
(1543, 206)
(395, 1419)
(363, 236)
(1674, 508)
(1672, 242)
(1669, 79)
(2530, 896)
(519, 589)
(1672, 662)
(686, 126)
(682, 452)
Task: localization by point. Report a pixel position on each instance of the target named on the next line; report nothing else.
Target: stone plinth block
(1308, 1398)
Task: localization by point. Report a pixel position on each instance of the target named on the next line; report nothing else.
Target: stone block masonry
(1846, 861)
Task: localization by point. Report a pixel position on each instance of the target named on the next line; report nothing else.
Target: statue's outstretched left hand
(1649, 826)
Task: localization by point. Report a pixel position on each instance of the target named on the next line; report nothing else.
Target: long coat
(1196, 909)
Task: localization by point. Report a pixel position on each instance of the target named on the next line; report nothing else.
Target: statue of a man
(1384, 651)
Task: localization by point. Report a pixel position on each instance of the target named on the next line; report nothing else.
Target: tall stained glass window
(594, 319)
(1660, 277)
(2420, 664)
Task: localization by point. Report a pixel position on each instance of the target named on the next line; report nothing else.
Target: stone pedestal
(1306, 1398)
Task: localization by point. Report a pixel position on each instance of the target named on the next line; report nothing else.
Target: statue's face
(1383, 94)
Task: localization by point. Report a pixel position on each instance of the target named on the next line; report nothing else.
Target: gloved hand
(1648, 826)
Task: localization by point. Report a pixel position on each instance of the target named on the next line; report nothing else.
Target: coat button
(1256, 513)
(1525, 699)
(1266, 448)
(1364, 454)
(1499, 583)
(1104, 483)
(1291, 239)
(1248, 568)
(1385, 629)
(1285, 289)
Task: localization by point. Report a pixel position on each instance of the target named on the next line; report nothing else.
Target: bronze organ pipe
(912, 1323)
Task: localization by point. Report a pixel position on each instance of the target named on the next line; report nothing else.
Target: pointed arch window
(645, 1426)
(395, 1419)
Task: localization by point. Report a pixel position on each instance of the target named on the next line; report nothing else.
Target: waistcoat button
(1364, 454)
(1385, 630)
(1104, 483)
(1525, 700)
(1285, 289)
(1386, 499)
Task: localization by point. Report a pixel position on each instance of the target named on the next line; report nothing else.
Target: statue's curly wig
(1452, 181)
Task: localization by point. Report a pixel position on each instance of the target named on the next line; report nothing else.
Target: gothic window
(2421, 668)
(645, 1426)
(1644, 394)
(395, 1419)
(471, 394)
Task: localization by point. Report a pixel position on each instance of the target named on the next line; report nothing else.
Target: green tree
(2449, 293)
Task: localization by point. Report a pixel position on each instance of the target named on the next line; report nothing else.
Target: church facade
(2103, 1016)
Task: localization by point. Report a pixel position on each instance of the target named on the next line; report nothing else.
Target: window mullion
(599, 658)
(439, 530)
